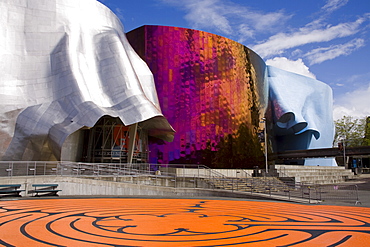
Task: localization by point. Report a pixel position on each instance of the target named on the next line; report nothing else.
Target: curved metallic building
(72, 88)
(214, 92)
(64, 66)
(211, 89)
(300, 114)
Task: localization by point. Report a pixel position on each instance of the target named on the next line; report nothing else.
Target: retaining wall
(72, 186)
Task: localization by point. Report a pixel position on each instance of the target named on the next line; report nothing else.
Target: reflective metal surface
(209, 87)
(212, 90)
(302, 113)
(64, 64)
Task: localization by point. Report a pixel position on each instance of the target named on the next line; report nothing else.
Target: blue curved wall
(301, 114)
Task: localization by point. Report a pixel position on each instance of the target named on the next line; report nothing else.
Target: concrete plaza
(179, 222)
(184, 221)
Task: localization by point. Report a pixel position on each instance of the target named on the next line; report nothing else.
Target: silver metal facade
(64, 65)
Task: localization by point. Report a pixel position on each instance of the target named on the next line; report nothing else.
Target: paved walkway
(179, 222)
(363, 184)
(145, 221)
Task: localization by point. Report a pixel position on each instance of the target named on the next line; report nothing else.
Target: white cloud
(359, 78)
(355, 104)
(320, 55)
(265, 21)
(119, 13)
(258, 23)
(332, 5)
(297, 53)
(229, 18)
(245, 32)
(280, 42)
(207, 14)
(297, 66)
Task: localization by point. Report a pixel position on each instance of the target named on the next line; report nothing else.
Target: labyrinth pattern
(179, 222)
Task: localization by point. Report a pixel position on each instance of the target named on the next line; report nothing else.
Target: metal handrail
(104, 170)
(202, 177)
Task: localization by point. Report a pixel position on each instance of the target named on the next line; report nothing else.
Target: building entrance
(109, 142)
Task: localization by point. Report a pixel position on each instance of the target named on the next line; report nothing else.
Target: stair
(315, 174)
(267, 187)
(253, 184)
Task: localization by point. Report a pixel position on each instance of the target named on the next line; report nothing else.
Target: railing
(365, 170)
(339, 193)
(181, 176)
(193, 176)
(290, 190)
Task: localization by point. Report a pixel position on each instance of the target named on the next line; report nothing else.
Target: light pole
(344, 152)
(265, 137)
(343, 139)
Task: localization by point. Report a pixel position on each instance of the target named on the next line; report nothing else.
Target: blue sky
(325, 39)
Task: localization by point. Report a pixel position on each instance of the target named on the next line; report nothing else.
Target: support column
(131, 144)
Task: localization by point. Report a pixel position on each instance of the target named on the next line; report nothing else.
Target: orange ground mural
(179, 222)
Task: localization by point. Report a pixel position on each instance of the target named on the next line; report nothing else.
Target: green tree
(248, 148)
(208, 155)
(366, 141)
(351, 129)
(240, 150)
(224, 157)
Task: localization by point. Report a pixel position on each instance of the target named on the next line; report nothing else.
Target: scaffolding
(109, 141)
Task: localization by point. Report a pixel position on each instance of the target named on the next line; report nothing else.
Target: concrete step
(313, 167)
(255, 185)
(313, 174)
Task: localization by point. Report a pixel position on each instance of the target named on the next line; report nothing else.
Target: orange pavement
(179, 222)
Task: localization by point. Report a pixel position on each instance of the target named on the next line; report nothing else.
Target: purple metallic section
(207, 86)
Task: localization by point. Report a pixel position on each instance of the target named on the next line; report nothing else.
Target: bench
(10, 189)
(45, 189)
